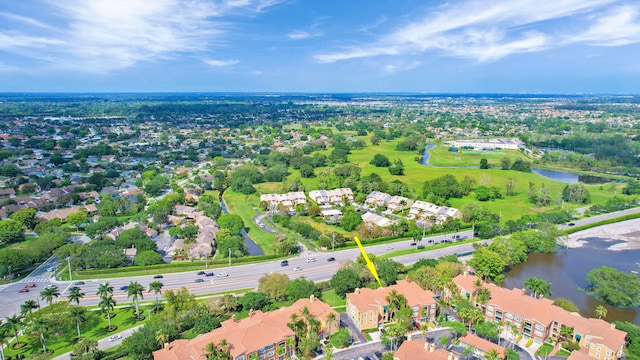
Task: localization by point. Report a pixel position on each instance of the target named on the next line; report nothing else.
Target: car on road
(124, 287)
(209, 274)
(198, 280)
(284, 263)
(78, 283)
(388, 247)
(51, 269)
(158, 276)
(298, 268)
(23, 290)
(201, 273)
(311, 259)
(331, 259)
(412, 244)
(222, 275)
(115, 337)
(32, 285)
(571, 224)
(73, 288)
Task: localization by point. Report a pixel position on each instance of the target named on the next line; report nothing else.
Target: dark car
(32, 285)
(571, 224)
(78, 283)
(73, 288)
(209, 274)
(331, 259)
(412, 244)
(198, 280)
(201, 273)
(284, 263)
(124, 287)
(158, 276)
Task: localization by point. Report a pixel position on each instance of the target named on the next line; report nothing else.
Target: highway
(242, 276)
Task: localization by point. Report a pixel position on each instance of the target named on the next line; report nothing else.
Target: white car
(115, 337)
(298, 268)
(388, 247)
(223, 275)
(311, 259)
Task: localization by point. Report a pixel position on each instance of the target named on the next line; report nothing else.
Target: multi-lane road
(241, 276)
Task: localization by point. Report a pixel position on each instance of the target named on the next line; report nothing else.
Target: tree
(614, 287)
(4, 337)
(10, 232)
(106, 304)
(219, 351)
(26, 217)
(40, 325)
(48, 293)
(75, 295)
(28, 306)
(566, 333)
(14, 322)
(156, 287)
(306, 171)
(350, 220)
(492, 354)
(505, 163)
(510, 354)
(380, 160)
(301, 288)
(456, 328)
(77, 218)
(388, 271)
(86, 347)
(232, 222)
(484, 163)
(601, 312)
(148, 257)
(395, 303)
(538, 287)
(488, 264)
(79, 314)
(274, 286)
(104, 289)
(345, 281)
(135, 290)
(254, 300)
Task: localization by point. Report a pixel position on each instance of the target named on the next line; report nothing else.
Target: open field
(441, 156)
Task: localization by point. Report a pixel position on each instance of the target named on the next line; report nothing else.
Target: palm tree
(104, 289)
(538, 287)
(48, 293)
(601, 312)
(29, 305)
(492, 354)
(107, 304)
(162, 337)
(40, 325)
(330, 319)
(510, 354)
(566, 332)
(156, 286)
(14, 322)
(396, 302)
(75, 295)
(79, 314)
(134, 290)
(4, 336)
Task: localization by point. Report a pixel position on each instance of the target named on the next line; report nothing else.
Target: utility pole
(333, 242)
(69, 264)
(229, 256)
(10, 277)
(206, 261)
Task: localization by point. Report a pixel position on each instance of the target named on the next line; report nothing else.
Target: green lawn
(247, 207)
(332, 299)
(441, 156)
(94, 328)
(545, 349)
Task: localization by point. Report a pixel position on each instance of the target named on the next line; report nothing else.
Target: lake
(566, 271)
(571, 178)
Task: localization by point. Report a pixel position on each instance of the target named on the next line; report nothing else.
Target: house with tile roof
(368, 308)
(479, 347)
(262, 335)
(539, 319)
(420, 349)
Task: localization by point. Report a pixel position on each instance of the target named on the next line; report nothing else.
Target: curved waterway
(567, 269)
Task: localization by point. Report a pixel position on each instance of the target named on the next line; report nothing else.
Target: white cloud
(299, 35)
(12, 40)
(400, 66)
(26, 20)
(221, 63)
(619, 27)
(475, 29)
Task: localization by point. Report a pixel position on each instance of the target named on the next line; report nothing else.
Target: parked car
(115, 337)
(158, 276)
(198, 280)
(23, 290)
(331, 259)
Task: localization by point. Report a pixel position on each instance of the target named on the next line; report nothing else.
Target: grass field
(247, 207)
(441, 156)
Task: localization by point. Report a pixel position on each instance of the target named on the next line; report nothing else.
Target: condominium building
(336, 196)
(422, 210)
(420, 349)
(539, 319)
(289, 200)
(369, 308)
(487, 144)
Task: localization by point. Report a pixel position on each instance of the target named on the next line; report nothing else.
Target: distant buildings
(339, 196)
(288, 200)
(422, 210)
(390, 202)
(487, 144)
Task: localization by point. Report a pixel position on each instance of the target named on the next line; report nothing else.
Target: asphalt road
(240, 277)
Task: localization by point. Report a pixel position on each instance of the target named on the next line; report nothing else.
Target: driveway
(345, 321)
(105, 344)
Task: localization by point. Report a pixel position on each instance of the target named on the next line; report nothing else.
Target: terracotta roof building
(420, 349)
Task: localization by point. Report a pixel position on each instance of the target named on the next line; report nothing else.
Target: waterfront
(566, 271)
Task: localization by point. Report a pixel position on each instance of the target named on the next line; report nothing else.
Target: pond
(566, 271)
(571, 178)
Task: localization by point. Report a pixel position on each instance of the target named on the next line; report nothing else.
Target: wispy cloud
(619, 27)
(221, 63)
(474, 29)
(298, 35)
(103, 36)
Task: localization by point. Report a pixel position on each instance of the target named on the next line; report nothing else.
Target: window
(539, 327)
(538, 333)
(509, 315)
(433, 306)
(517, 318)
(489, 308)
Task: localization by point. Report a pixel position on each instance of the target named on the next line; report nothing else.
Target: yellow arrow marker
(370, 265)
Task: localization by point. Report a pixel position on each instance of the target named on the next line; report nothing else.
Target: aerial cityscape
(267, 179)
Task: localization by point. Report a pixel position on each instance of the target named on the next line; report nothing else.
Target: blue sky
(510, 46)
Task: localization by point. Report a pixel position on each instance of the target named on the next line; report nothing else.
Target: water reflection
(571, 178)
(566, 270)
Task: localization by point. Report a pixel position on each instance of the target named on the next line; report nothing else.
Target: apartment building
(539, 319)
(335, 196)
(480, 347)
(264, 336)
(391, 202)
(368, 308)
(422, 210)
(420, 349)
(289, 200)
(487, 144)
